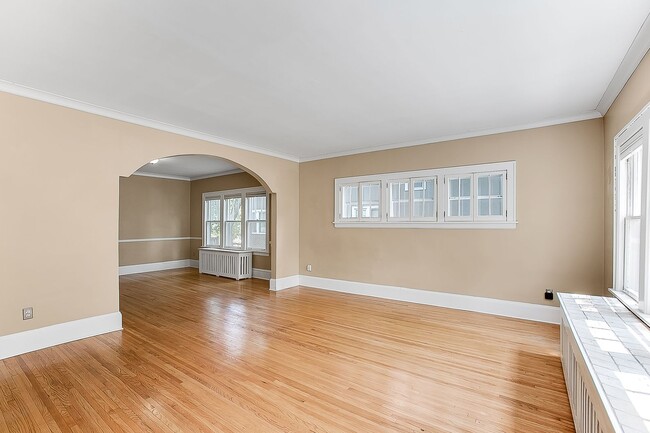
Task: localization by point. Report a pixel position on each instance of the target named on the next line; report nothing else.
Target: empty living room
(330, 217)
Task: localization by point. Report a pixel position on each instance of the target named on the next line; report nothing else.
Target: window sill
(632, 305)
(235, 250)
(424, 225)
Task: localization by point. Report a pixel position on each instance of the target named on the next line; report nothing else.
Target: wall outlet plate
(548, 294)
(28, 313)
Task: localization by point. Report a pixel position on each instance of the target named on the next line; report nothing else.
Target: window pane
(632, 251)
(465, 187)
(496, 206)
(232, 234)
(453, 207)
(464, 207)
(256, 208)
(399, 199)
(349, 201)
(256, 235)
(370, 200)
(483, 185)
(213, 209)
(233, 208)
(483, 205)
(453, 187)
(213, 233)
(496, 180)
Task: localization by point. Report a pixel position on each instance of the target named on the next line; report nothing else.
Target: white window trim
(440, 198)
(243, 192)
(639, 124)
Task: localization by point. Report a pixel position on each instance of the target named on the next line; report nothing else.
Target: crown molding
(52, 98)
(550, 122)
(630, 62)
(223, 173)
(161, 176)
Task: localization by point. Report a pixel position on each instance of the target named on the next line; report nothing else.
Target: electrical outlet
(308, 268)
(548, 294)
(28, 313)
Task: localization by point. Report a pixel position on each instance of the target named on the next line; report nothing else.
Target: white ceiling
(305, 79)
(188, 167)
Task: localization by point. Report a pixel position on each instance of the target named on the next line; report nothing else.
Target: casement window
(631, 240)
(478, 196)
(236, 219)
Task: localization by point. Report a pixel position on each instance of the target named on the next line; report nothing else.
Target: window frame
(436, 199)
(504, 197)
(441, 219)
(242, 193)
(409, 202)
(632, 137)
(248, 221)
(446, 213)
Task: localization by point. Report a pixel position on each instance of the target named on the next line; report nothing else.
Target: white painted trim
(158, 266)
(194, 264)
(499, 307)
(469, 225)
(631, 60)
(262, 274)
(40, 95)
(277, 284)
(224, 173)
(48, 336)
(161, 176)
(185, 238)
(550, 122)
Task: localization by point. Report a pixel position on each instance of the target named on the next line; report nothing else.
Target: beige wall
(220, 183)
(558, 242)
(153, 208)
(634, 96)
(59, 182)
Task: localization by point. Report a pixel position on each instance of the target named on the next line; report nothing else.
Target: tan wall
(558, 242)
(221, 183)
(153, 208)
(64, 165)
(634, 96)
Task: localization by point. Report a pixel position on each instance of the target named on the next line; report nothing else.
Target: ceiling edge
(555, 121)
(40, 95)
(631, 60)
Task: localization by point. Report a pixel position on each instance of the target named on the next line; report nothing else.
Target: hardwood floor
(206, 354)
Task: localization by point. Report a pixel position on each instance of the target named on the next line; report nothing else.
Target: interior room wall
(221, 183)
(153, 208)
(59, 181)
(634, 96)
(558, 242)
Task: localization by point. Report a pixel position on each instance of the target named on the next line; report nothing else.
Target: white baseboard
(159, 266)
(262, 274)
(35, 339)
(278, 284)
(499, 307)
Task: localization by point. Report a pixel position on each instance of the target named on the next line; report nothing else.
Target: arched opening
(175, 209)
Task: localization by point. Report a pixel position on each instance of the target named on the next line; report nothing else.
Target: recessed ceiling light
(155, 161)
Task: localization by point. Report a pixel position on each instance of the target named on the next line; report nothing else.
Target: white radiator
(226, 263)
(589, 413)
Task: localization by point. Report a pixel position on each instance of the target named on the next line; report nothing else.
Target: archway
(163, 222)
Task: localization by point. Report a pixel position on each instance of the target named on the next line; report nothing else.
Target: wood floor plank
(205, 354)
